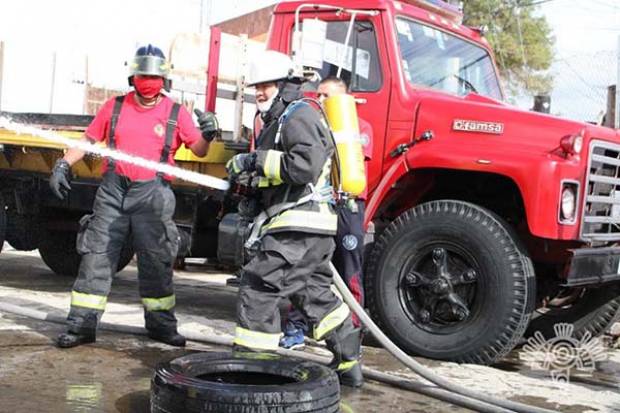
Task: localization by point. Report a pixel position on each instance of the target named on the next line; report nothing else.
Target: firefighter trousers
(123, 209)
(292, 265)
(347, 259)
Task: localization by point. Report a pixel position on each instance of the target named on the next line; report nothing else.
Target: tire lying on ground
(450, 280)
(58, 251)
(589, 310)
(222, 382)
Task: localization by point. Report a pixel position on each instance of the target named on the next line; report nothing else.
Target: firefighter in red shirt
(132, 200)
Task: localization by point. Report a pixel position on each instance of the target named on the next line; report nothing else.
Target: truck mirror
(312, 43)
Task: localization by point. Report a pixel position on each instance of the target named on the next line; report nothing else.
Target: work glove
(208, 124)
(242, 162)
(60, 178)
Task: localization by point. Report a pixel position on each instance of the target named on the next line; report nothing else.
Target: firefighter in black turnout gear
(293, 235)
(132, 202)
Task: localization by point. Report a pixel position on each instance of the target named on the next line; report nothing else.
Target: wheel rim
(439, 287)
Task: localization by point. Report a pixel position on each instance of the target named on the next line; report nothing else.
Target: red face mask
(148, 87)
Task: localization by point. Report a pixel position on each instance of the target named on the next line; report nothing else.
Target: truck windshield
(439, 60)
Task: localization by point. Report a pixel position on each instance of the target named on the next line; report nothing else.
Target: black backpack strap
(170, 127)
(118, 103)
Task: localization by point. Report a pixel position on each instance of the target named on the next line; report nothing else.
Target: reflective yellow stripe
(256, 339)
(93, 301)
(331, 321)
(346, 365)
(232, 164)
(324, 219)
(272, 165)
(159, 304)
(264, 182)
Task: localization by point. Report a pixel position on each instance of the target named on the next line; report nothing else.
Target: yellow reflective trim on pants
(96, 302)
(256, 339)
(346, 365)
(159, 304)
(324, 219)
(331, 321)
(272, 165)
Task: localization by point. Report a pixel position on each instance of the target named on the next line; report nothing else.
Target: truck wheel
(449, 280)
(57, 249)
(22, 232)
(221, 382)
(591, 310)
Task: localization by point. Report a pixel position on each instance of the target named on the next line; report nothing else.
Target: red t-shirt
(142, 132)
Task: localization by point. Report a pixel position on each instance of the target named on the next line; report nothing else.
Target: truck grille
(601, 211)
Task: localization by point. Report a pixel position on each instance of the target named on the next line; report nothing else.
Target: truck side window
(361, 68)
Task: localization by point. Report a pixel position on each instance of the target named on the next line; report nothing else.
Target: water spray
(189, 176)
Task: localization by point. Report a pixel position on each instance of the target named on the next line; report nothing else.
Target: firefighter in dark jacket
(132, 201)
(293, 236)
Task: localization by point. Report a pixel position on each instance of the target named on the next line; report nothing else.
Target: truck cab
(489, 222)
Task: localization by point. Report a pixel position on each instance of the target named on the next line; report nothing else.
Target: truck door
(365, 69)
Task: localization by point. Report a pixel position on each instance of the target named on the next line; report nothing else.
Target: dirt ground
(113, 375)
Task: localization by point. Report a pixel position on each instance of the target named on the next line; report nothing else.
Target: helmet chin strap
(273, 99)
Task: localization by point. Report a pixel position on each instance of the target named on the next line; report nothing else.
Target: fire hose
(445, 390)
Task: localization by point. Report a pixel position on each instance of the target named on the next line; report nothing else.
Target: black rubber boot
(171, 338)
(346, 345)
(68, 340)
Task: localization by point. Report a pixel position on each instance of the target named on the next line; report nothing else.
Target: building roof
(254, 24)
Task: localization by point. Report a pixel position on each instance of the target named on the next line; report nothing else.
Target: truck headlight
(573, 144)
(568, 202)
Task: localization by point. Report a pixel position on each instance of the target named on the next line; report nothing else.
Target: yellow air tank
(342, 117)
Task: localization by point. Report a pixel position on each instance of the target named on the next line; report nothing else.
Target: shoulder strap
(118, 104)
(170, 127)
(292, 107)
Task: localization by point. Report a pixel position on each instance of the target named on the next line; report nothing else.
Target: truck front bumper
(593, 266)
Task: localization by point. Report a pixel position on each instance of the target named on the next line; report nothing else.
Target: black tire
(499, 294)
(593, 311)
(58, 251)
(222, 382)
(22, 232)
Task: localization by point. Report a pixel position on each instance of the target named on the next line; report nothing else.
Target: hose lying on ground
(446, 391)
(403, 383)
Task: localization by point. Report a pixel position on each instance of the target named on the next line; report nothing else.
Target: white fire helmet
(272, 66)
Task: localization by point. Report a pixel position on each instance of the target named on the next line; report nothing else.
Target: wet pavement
(114, 374)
